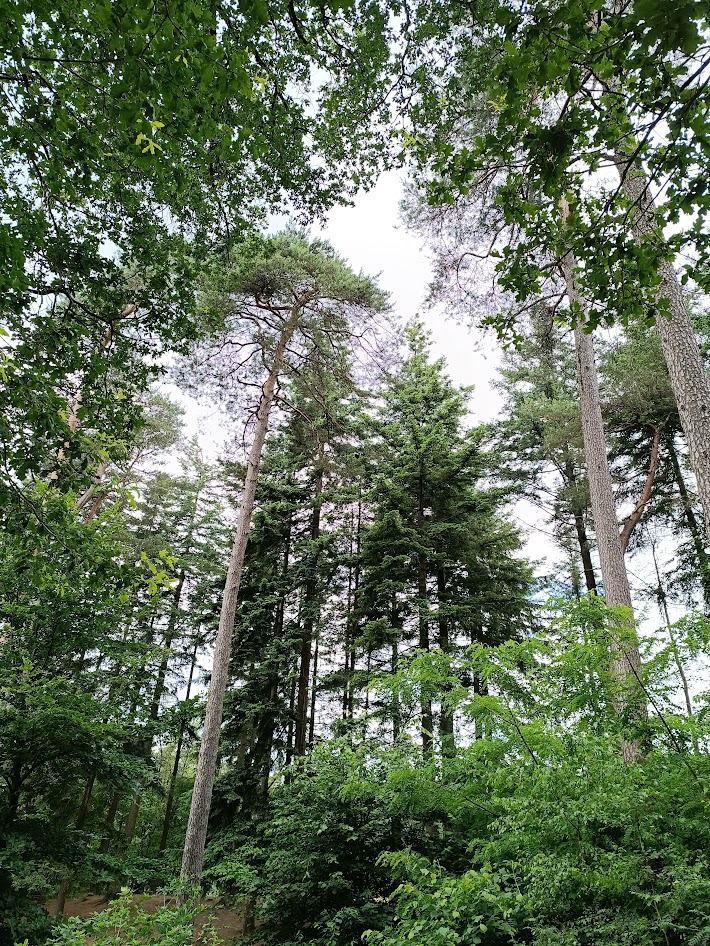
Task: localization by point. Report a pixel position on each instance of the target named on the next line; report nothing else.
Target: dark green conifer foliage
(437, 556)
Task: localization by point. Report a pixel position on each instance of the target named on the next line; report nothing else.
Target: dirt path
(229, 923)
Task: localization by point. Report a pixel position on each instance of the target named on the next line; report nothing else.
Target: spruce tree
(440, 563)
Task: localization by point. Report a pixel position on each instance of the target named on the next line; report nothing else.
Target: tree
(291, 296)
(540, 437)
(574, 89)
(437, 553)
(138, 141)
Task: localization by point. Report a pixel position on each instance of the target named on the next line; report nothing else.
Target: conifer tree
(437, 557)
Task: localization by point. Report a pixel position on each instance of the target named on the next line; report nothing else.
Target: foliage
(124, 923)
(310, 861)
(415, 749)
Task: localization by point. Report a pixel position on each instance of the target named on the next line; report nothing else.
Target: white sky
(370, 236)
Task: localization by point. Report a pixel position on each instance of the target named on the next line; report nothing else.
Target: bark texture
(626, 662)
(196, 835)
(686, 368)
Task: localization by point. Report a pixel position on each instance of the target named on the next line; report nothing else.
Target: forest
(299, 644)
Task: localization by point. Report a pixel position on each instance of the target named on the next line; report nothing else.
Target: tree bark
(310, 608)
(196, 834)
(626, 661)
(687, 371)
(581, 530)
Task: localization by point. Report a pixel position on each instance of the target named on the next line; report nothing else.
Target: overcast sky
(371, 237)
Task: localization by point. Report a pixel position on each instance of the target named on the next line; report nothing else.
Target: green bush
(124, 924)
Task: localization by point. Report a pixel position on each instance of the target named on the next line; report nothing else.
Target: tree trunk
(581, 529)
(176, 762)
(269, 720)
(81, 817)
(636, 515)
(396, 711)
(350, 694)
(349, 635)
(158, 690)
(196, 835)
(110, 820)
(396, 625)
(446, 722)
(626, 662)
(693, 525)
(314, 687)
(423, 605)
(663, 608)
(686, 368)
(291, 719)
(269, 726)
(310, 608)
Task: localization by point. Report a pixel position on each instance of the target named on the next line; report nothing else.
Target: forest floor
(228, 922)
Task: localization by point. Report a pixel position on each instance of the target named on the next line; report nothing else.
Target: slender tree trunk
(427, 715)
(291, 719)
(270, 716)
(396, 712)
(110, 820)
(159, 689)
(446, 723)
(663, 607)
(196, 835)
(314, 688)
(132, 817)
(356, 588)
(638, 511)
(346, 642)
(574, 575)
(423, 606)
(396, 625)
(310, 618)
(176, 761)
(349, 619)
(686, 368)
(581, 529)
(270, 724)
(81, 817)
(626, 662)
(693, 525)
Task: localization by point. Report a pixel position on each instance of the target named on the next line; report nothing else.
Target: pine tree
(284, 298)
